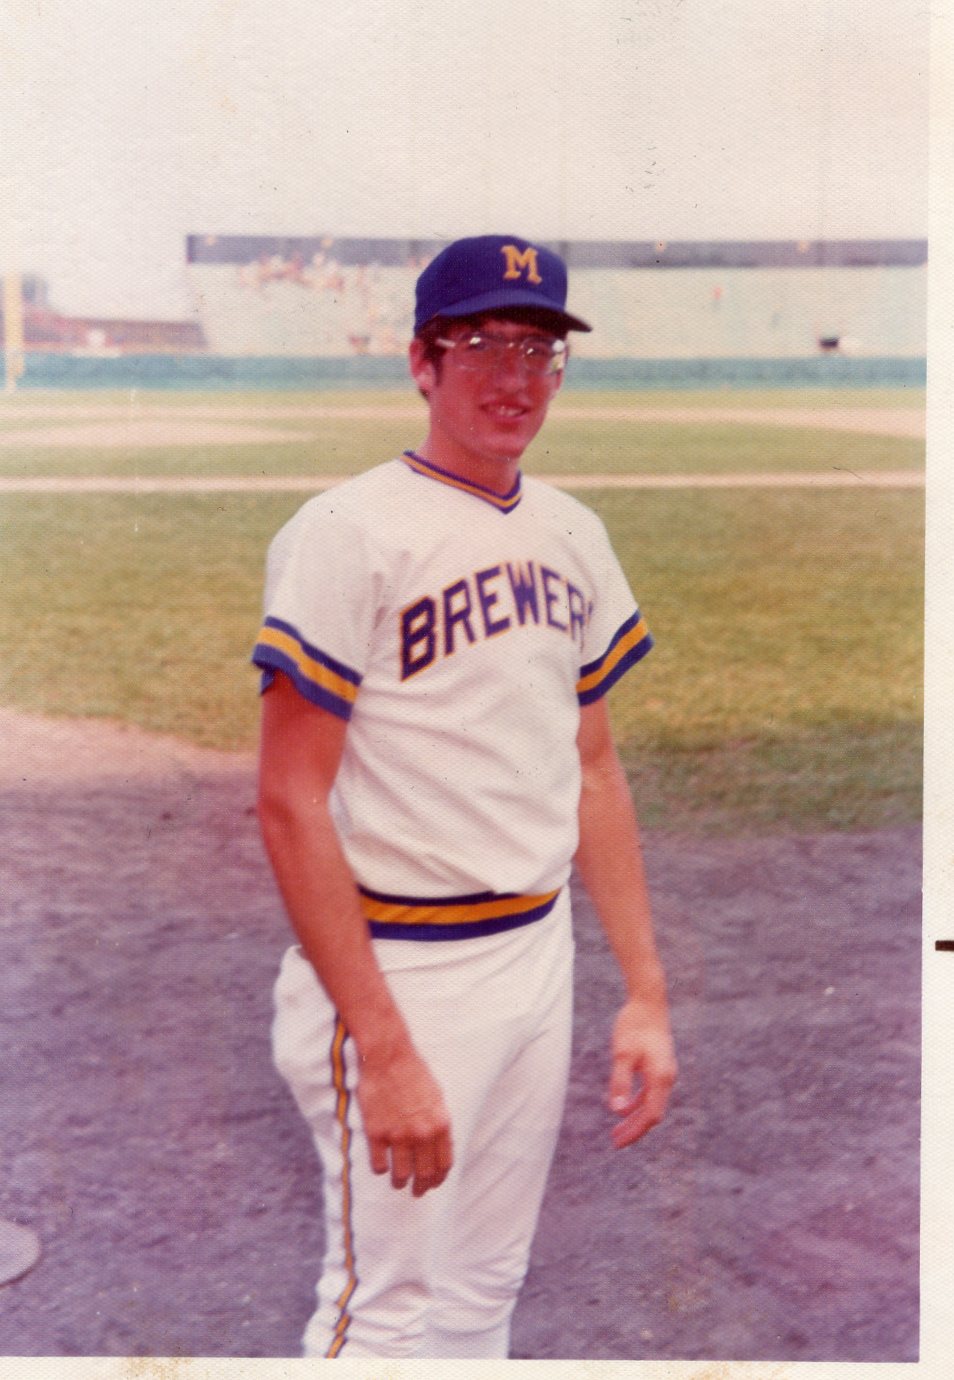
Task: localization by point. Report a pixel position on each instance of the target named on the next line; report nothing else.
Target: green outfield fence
(201, 371)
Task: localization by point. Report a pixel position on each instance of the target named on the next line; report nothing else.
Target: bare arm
(609, 861)
(401, 1104)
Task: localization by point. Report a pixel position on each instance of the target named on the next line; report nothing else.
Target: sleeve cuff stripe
(622, 666)
(270, 659)
(310, 666)
(338, 668)
(632, 636)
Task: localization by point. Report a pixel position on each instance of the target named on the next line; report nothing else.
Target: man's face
(485, 413)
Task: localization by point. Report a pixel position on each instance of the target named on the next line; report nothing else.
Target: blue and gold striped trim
(457, 917)
(505, 503)
(322, 680)
(629, 645)
(342, 1102)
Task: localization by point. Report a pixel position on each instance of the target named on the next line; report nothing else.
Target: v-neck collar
(504, 503)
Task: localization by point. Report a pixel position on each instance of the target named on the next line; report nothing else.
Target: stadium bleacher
(320, 297)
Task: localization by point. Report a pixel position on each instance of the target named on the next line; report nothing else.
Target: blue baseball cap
(494, 273)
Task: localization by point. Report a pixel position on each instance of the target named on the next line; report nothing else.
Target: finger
(378, 1152)
(619, 1092)
(425, 1168)
(402, 1165)
(445, 1153)
(432, 1163)
(631, 1129)
(647, 1111)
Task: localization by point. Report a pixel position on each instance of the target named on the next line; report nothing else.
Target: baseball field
(773, 743)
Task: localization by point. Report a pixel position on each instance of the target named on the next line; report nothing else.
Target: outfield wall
(200, 372)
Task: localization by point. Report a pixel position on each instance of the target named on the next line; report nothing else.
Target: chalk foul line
(173, 484)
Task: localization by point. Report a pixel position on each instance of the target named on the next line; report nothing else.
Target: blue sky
(127, 125)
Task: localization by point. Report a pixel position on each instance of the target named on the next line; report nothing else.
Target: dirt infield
(149, 1143)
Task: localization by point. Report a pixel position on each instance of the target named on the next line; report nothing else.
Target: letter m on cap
(520, 259)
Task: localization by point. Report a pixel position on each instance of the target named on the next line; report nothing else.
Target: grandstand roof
(350, 250)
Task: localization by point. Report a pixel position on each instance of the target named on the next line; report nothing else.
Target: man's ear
(422, 369)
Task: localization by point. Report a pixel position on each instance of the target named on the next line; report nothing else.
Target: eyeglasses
(484, 352)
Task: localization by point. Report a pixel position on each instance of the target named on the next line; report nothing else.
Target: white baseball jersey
(459, 633)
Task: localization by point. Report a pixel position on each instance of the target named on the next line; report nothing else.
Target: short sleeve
(318, 608)
(616, 633)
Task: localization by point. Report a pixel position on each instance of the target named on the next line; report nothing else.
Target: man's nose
(511, 363)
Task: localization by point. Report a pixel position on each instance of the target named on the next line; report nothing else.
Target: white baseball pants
(437, 1275)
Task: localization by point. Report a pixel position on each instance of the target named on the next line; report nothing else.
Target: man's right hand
(405, 1121)
(402, 1107)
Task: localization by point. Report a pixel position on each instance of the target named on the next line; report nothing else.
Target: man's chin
(509, 446)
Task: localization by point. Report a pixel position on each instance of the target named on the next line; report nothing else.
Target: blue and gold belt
(456, 917)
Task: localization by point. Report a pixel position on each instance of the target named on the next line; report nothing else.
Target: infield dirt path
(146, 1138)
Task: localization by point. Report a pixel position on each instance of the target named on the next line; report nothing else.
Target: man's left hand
(643, 1050)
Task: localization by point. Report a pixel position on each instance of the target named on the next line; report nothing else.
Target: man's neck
(497, 476)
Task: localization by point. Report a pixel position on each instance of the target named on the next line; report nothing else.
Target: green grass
(784, 690)
(336, 453)
(785, 687)
(142, 609)
(651, 447)
(346, 447)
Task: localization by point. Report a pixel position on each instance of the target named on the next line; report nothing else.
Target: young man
(439, 636)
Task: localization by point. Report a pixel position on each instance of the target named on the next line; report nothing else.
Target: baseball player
(439, 637)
